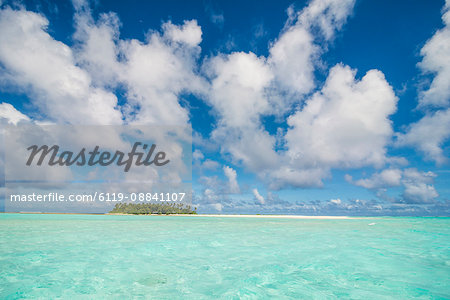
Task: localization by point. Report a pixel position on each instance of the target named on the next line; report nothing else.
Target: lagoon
(169, 257)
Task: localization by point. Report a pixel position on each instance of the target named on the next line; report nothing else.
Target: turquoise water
(98, 257)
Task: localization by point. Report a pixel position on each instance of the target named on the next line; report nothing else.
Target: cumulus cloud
(345, 125)
(10, 114)
(33, 60)
(383, 179)
(189, 33)
(238, 99)
(237, 89)
(258, 196)
(96, 50)
(197, 155)
(75, 84)
(211, 200)
(154, 73)
(244, 88)
(417, 186)
(292, 58)
(210, 164)
(436, 60)
(201, 164)
(288, 175)
(231, 175)
(336, 201)
(326, 15)
(295, 53)
(430, 133)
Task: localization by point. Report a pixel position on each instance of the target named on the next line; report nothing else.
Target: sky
(322, 107)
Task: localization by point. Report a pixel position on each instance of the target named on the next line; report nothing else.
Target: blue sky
(299, 107)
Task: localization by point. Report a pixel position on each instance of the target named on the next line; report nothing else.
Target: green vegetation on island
(152, 208)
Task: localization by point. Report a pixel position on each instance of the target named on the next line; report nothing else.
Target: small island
(152, 209)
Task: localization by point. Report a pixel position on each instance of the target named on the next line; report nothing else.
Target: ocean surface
(122, 257)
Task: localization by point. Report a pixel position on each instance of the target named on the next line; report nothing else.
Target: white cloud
(189, 33)
(205, 144)
(291, 176)
(292, 58)
(336, 201)
(97, 50)
(231, 175)
(237, 97)
(428, 135)
(237, 90)
(294, 55)
(436, 60)
(197, 155)
(210, 164)
(418, 187)
(12, 115)
(386, 178)
(154, 73)
(419, 193)
(209, 200)
(202, 164)
(345, 125)
(327, 15)
(217, 206)
(258, 196)
(210, 182)
(245, 87)
(210, 195)
(32, 59)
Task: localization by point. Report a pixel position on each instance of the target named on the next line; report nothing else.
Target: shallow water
(98, 257)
